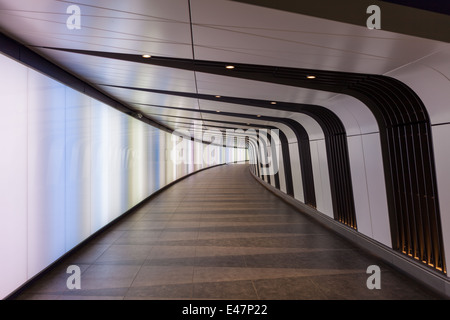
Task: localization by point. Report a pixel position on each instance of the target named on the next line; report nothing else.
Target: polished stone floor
(219, 234)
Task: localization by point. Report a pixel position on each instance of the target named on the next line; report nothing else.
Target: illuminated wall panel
(198, 155)
(119, 195)
(190, 156)
(163, 155)
(101, 163)
(78, 167)
(171, 168)
(230, 156)
(13, 182)
(46, 172)
(154, 152)
(137, 164)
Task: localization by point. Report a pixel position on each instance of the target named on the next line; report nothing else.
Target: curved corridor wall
(70, 165)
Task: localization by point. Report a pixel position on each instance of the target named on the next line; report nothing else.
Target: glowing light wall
(69, 166)
(14, 173)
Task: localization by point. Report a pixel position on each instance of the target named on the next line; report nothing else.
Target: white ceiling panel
(235, 32)
(99, 71)
(213, 30)
(235, 87)
(133, 26)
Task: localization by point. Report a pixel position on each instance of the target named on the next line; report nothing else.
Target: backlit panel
(72, 165)
(13, 184)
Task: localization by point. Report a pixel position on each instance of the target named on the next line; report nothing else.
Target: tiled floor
(220, 235)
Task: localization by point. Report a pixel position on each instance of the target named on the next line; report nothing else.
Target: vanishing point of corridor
(219, 234)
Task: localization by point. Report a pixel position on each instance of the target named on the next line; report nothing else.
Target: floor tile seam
(134, 279)
(98, 262)
(96, 259)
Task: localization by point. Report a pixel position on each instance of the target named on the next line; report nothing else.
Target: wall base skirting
(435, 281)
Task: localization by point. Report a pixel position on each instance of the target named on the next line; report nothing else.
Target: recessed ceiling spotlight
(311, 77)
(259, 116)
(218, 111)
(217, 96)
(273, 102)
(229, 67)
(146, 56)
